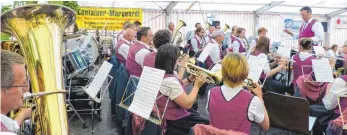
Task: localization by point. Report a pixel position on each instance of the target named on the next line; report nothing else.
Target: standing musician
(171, 27)
(197, 42)
(215, 54)
(208, 37)
(14, 83)
(261, 50)
(239, 45)
(126, 26)
(179, 116)
(161, 37)
(123, 45)
(311, 28)
(138, 25)
(304, 58)
(138, 51)
(231, 107)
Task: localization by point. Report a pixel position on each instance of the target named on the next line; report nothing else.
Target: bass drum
(87, 46)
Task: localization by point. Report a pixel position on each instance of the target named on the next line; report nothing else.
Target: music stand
(160, 116)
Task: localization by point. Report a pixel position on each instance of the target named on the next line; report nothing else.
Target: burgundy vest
(173, 110)
(118, 36)
(241, 48)
(119, 57)
(307, 32)
(230, 115)
(209, 62)
(131, 65)
(199, 44)
(150, 59)
(256, 53)
(297, 66)
(232, 37)
(209, 37)
(343, 101)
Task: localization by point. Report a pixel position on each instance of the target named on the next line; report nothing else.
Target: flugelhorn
(39, 30)
(27, 97)
(212, 77)
(191, 60)
(177, 36)
(249, 83)
(226, 27)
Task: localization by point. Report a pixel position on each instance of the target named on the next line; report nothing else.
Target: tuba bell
(226, 27)
(177, 37)
(39, 30)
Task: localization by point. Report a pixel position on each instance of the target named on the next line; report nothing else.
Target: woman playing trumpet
(178, 119)
(230, 106)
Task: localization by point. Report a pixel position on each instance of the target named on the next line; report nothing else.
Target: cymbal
(69, 36)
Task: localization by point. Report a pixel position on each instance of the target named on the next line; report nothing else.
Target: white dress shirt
(236, 45)
(120, 35)
(123, 49)
(215, 51)
(318, 30)
(332, 53)
(337, 88)
(207, 39)
(140, 55)
(256, 110)
(194, 43)
(9, 123)
(171, 87)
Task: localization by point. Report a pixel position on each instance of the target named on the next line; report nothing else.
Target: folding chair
(289, 113)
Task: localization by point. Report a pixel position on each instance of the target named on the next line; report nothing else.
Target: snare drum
(74, 62)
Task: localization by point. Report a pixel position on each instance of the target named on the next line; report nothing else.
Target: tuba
(39, 30)
(177, 35)
(11, 46)
(226, 27)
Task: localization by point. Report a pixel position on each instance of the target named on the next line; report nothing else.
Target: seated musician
(208, 37)
(197, 42)
(13, 84)
(261, 50)
(126, 25)
(261, 33)
(123, 45)
(231, 107)
(303, 60)
(333, 51)
(215, 55)
(160, 38)
(138, 51)
(239, 45)
(179, 119)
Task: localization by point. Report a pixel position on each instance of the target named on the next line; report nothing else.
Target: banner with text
(92, 18)
(341, 23)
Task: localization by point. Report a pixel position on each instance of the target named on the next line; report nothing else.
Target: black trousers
(324, 116)
(183, 126)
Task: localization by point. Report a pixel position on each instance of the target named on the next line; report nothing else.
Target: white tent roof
(288, 6)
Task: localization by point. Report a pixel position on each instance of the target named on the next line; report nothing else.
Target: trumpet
(191, 60)
(212, 77)
(249, 83)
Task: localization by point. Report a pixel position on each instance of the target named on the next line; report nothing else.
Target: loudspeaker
(215, 23)
(325, 26)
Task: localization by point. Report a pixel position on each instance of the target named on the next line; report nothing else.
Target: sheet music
(311, 121)
(322, 70)
(205, 52)
(99, 79)
(147, 90)
(216, 67)
(256, 66)
(284, 51)
(319, 50)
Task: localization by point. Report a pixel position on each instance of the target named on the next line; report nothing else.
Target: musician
(126, 26)
(261, 33)
(191, 34)
(160, 38)
(138, 51)
(311, 28)
(208, 37)
(14, 83)
(231, 107)
(233, 35)
(197, 42)
(197, 25)
(171, 27)
(179, 120)
(239, 45)
(138, 25)
(333, 51)
(123, 45)
(261, 50)
(215, 54)
(303, 60)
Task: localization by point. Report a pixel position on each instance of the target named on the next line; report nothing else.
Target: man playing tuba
(13, 83)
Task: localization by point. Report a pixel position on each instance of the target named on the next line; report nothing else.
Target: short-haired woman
(230, 106)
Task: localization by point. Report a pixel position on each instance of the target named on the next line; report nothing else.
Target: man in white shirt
(311, 28)
(171, 27)
(123, 45)
(215, 55)
(208, 37)
(13, 84)
(127, 25)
